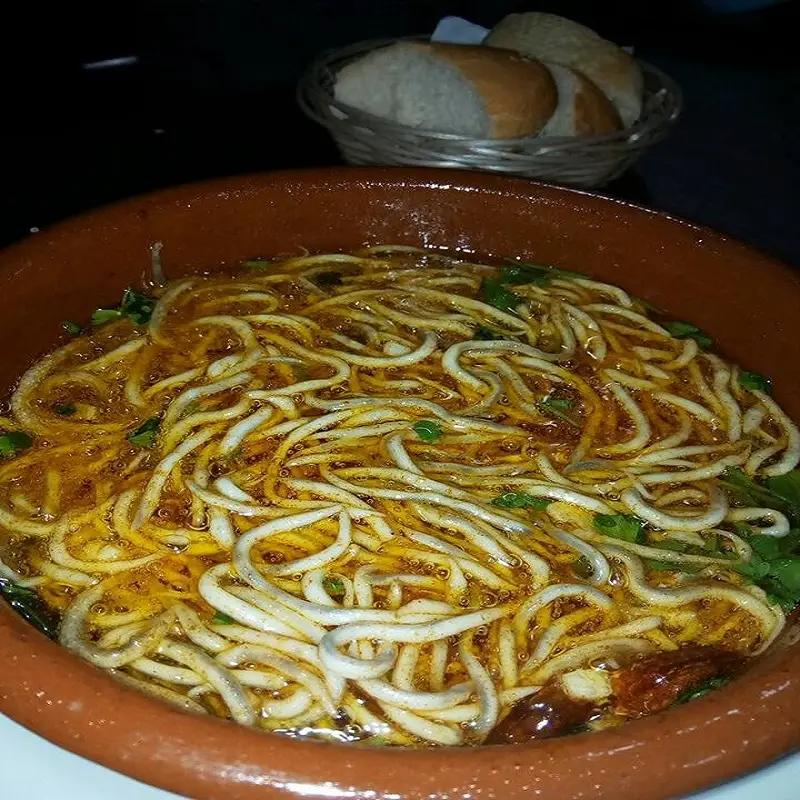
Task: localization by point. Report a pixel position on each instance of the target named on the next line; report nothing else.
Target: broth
(393, 497)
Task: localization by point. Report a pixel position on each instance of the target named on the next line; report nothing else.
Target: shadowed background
(101, 101)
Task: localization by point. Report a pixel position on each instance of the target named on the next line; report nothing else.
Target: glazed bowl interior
(747, 302)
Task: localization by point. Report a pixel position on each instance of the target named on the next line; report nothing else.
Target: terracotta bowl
(747, 302)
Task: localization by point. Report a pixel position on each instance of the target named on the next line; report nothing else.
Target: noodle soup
(396, 498)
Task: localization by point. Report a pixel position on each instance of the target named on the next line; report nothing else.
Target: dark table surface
(208, 89)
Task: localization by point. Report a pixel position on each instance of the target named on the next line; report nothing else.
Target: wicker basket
(586, 161)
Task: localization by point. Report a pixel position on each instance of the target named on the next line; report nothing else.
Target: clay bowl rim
(688, 746)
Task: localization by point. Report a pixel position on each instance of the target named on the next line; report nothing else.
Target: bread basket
(587, 161)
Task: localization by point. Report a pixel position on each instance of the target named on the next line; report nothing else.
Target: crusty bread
(582, 110)
(561, 41)
(470, 90)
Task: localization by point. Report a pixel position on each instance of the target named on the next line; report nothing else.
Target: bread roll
(470, 90)
(582, 110)
(554, 39)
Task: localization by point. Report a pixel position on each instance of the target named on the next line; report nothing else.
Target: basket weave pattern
(586, 161)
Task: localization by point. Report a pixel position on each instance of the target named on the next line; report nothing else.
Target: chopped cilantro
(754, 381)
(582, 567)
(774, 566)
(557, 403)
(221, 618)
(784, 574)
(495, 294)
(328, 279)
(139, 307)
(520, 500)
(376, 740)
(486, 334)
(619, 526)
(676, 545)
(655, 565)
(103, 315)
(72, 328)
(427, 430)
(333, 586)
(557, 408)
(781, 492)
(685, 330)
(787, 488)
(236, 453)
(742, 489)
(536, 274)
(701, 689)
(136, 306)
(12, 442)
(770, 547)
(145, 434)
(755, 569)
(27, 603)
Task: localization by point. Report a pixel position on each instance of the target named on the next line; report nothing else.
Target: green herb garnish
(619, 526)
(783, 581)
(756, 569)
(701, 689)
(517, 274)
(64, 409)
(427, 430)
(787, 489)
(775, 566)
(775, 562)
(376, 741)
(72, 328)
(574, 730)
(139, 307)
(742, 489)
(520, 500)
(655, 565)
(781, 492)
(495, 294)
(675, 545)
(191, 408)
(103, 315)
(557, 403)
(145, 434)
(136, 306)
(711, 547)
(754, 381)
(236, 453)
(648, 306)
(486, 334)
(333, 586)
(557, 408)
(582, 567)
(685, 330)
(27, 603)
(536, 274)
(14, 441)
(221, 618)
(328, 279)
(258, 263)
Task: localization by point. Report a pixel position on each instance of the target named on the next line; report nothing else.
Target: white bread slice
(470, 90)
(561, 41)
(582, 110)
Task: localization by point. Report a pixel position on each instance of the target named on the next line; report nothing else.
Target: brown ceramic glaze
(746, 301)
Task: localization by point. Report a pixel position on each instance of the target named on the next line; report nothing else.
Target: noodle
(391, 495)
